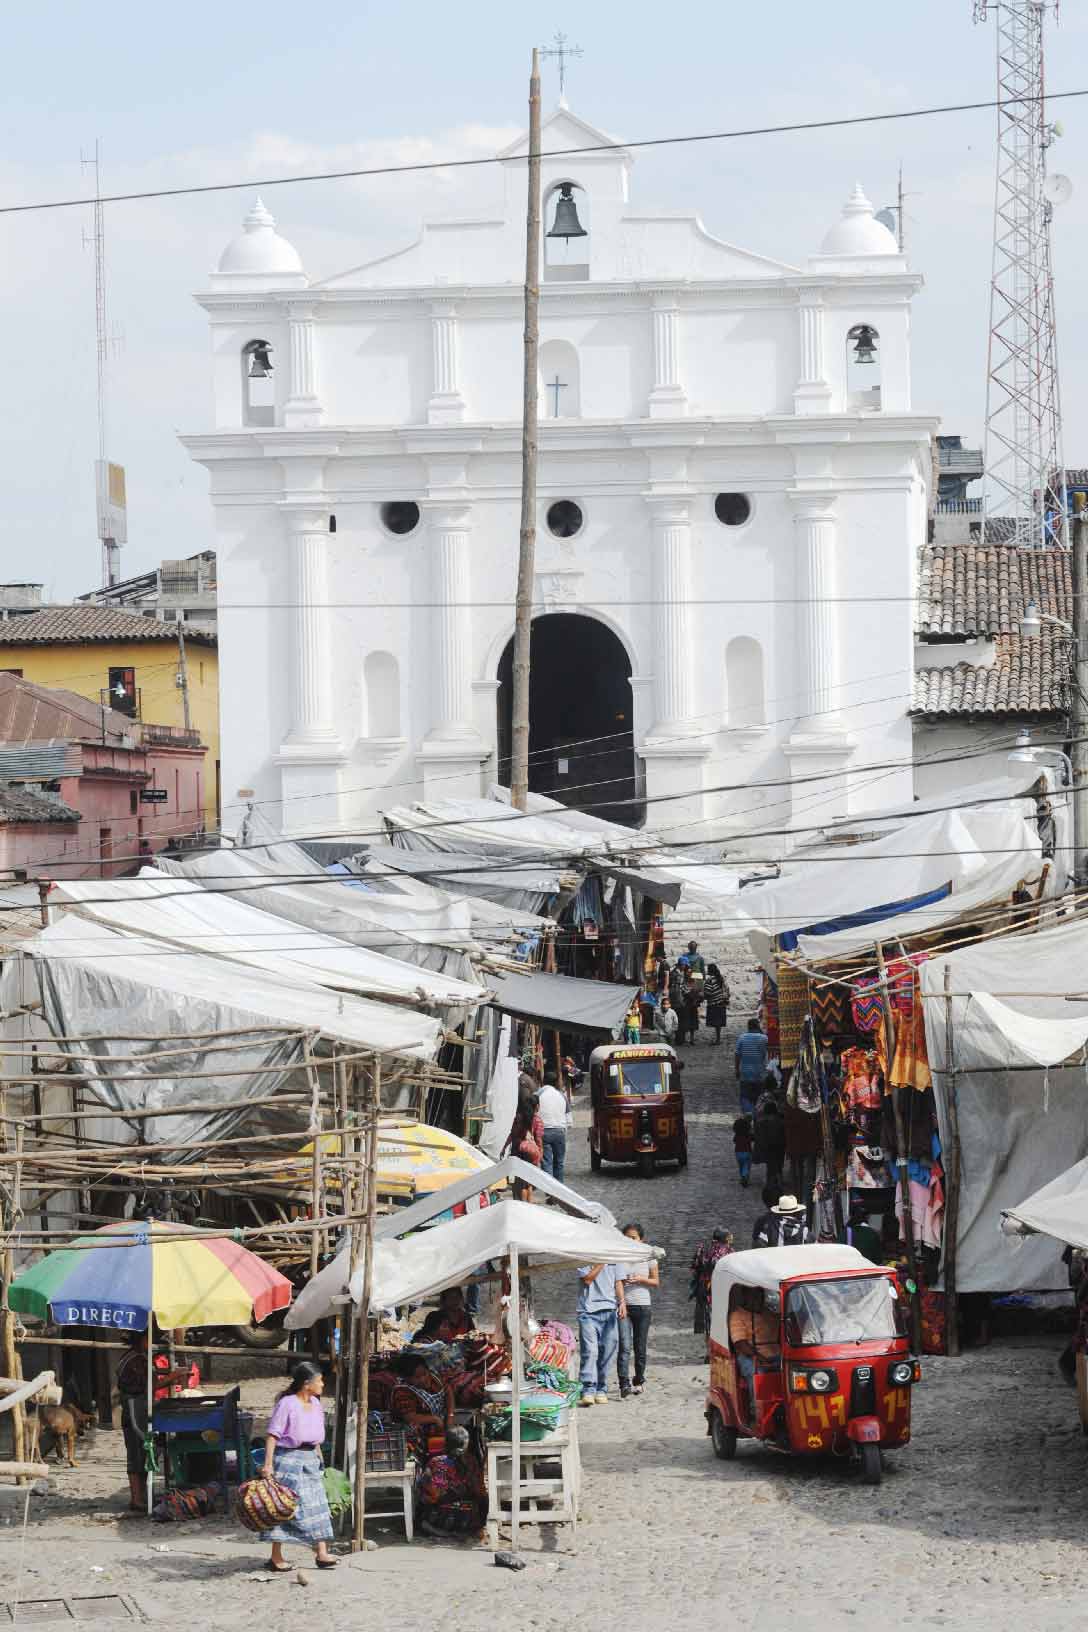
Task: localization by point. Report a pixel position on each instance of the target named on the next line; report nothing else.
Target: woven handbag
(262, 1503)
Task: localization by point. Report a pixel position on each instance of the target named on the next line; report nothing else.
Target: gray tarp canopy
(590, 1006)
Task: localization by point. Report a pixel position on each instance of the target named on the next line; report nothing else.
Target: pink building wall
(117, 831)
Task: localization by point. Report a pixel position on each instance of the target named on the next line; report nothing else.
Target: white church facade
(732, 493)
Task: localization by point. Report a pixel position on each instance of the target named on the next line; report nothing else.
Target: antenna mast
(1025, 470)
(109, 480)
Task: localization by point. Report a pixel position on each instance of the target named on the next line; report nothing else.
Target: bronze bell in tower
(566, 223)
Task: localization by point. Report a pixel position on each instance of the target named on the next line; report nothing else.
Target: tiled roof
(75, 625)
(966, 592)
(33, 713)
(21, 805)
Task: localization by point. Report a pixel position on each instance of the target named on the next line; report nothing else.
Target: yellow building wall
(85, 669)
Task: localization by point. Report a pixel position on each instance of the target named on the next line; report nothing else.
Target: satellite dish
(886, 219)
(1058, 189)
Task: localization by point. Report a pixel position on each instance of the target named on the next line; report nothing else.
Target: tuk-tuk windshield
(847, 1311)
(640, 1077)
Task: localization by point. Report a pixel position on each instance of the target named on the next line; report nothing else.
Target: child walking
(742, 1146)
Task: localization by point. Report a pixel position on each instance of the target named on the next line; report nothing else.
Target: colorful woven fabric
(263, 1503)
(828, 1009)
(769, 1007)
(867, 1008)
(792, 1011)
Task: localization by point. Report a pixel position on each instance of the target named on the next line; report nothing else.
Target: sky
(187, 95)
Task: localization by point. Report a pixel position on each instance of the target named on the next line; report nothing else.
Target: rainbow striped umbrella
(121, 1275)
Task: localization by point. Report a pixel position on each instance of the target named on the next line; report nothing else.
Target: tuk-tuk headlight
(901, 1373)
(817, 1380)
(821, 1382)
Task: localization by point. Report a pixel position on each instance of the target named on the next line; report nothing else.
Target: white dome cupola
(259, 256)
(858, 236)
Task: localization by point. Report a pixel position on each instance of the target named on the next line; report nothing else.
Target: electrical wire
(371, 171)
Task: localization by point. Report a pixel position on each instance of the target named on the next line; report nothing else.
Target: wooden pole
(12, 1363)
(362, 1407)
(515, 1400)
(523, 613)
(902, 1172)
(952, 1170)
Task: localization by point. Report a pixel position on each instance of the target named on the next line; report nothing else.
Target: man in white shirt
(553, 1113)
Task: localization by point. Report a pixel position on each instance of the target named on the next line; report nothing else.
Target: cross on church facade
(556, 386)
(560, 50)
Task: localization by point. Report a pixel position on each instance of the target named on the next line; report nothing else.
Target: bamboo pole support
(357, 1540)
(953, 1174)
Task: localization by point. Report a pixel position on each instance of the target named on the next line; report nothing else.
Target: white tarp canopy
(420, 925)
(180, 913)
(316, 1300)
(1019, 1008)
(406, 1271)
(491, 827)
(95, 980)
(923, 875)
(1059, 1209)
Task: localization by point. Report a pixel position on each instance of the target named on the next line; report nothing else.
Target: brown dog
(64, 1423)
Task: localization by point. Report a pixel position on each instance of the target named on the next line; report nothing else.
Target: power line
(562, 153)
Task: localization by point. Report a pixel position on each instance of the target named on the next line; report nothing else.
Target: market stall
(504, 1384)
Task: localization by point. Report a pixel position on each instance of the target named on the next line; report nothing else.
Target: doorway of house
(581, 732)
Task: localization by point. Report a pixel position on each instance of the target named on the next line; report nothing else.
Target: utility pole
(1078, 703)
(523, 613)
(183, 676)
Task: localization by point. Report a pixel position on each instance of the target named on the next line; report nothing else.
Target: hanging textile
(903, 983)
(910, 1067)
(828, 1000)
(770, 1016)
(867, 1008)
(792, 1011)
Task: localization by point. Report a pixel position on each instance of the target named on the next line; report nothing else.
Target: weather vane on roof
(560, 50)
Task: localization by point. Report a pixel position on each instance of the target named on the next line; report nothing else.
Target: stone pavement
(979, 1522)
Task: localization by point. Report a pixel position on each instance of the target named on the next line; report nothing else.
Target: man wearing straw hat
(783, 1226)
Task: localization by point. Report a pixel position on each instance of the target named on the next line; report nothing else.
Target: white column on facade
(818, 613)
(311, 687)
(671, 551)
(667, 399)
(303, 407)
(451, 652)
(813, 394)
(446, 405)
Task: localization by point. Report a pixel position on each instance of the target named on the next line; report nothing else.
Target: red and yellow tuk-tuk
(809, 1353)
(637, 1106)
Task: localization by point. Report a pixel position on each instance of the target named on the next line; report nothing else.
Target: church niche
(560, 381)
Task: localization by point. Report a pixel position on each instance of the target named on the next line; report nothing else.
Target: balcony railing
(959, 507)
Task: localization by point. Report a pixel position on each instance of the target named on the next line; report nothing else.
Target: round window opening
(400, 516)
(564, 518)
(732, 509)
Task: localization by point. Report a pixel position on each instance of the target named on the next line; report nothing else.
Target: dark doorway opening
(581, 732)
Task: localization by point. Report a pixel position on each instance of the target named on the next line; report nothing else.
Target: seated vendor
(419, 1398)
(451, 1490)
(449, 1321)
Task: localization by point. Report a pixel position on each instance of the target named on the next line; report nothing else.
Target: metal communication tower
(1025, 473)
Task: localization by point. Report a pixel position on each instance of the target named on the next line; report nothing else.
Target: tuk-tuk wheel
(872, 1470)
(594, 1159)
(723, 1439)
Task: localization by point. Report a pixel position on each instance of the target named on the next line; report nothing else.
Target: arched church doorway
(581, 731)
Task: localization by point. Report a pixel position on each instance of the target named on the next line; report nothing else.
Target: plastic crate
(388, 1452)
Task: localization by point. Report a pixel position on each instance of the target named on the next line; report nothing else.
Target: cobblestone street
(979, 1521)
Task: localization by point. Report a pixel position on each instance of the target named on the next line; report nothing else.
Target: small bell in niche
(566, 223)
(260, 362)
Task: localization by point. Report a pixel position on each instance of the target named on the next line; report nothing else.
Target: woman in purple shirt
(292, 1452)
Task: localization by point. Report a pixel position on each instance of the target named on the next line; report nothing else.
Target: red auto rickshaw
(637, 1106)
(809, 1353)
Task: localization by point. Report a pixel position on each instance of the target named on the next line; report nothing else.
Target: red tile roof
(79, 625)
